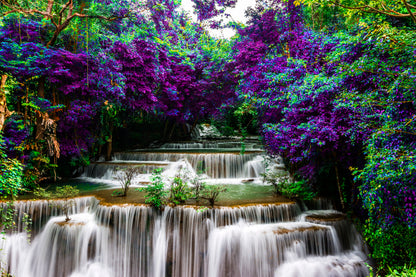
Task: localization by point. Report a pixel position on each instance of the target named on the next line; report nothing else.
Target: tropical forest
(207, 138)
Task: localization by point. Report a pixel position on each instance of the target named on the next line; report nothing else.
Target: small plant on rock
(212, 192)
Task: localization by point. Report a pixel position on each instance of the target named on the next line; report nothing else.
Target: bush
(391, 247)
(179, 191)
(212, 192)
(282, 184)
(387, 185)
(11, 173)
(156, 194)
(297, 190)
(406, 271)
(125, 177)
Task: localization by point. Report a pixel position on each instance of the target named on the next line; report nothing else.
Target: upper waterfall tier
(215, 165)
(213, 145)
(219, 161)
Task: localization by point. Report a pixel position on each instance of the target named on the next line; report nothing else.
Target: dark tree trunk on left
(4, 111)
(109, 145)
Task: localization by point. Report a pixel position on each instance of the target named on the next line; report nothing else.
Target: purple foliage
(207, 9)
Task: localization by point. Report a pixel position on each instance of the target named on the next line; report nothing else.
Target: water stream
(260, 240)
(217, 162)
(268, 240)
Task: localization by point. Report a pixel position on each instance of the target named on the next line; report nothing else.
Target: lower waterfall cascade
(120, 241)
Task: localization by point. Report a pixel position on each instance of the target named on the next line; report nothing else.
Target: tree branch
(50, 6)
(410, 12)
(96, 16)
(385, 10)
(31, 11)
(59, 25)
(63, 9)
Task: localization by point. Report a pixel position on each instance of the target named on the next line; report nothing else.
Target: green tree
(155, 192)
(389, 8)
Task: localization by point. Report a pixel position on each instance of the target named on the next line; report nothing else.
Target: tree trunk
(109, 148)
(109, 145)
(41, 90)
(4, 111)
(172, 131)
(194, 125)
(341, 198)
(165, 130)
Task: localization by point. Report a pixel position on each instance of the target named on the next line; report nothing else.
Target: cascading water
(269, 240)
(216, 161)
(259, 240)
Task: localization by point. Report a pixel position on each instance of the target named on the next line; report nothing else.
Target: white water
(269, 240)
(217, 162)
(137, 241)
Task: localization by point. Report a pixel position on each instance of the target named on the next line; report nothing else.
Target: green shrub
(155, 192)
(11, 174)
(406, 271)
(391, 247)
(212, 192)
(282, 184)
(179, 191)
(297, 190)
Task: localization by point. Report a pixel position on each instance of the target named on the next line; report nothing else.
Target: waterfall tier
(216, 162)
(121, 241)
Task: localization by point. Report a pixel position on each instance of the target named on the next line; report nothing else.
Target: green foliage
(246, 115)
(65, 193)
(197, 186)
(117, 193)
(391, 247)
(202, 209)
(239, 119)
(7, 217)
(11, 173)
(297, 190)
(156, 194)
(212, 192)
(42, 193)
(179, 191)
(406, 271)
(351, 10)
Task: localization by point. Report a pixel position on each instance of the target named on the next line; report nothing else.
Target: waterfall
(121, 241)
(218, 161)
(233, 250)
(215, 165)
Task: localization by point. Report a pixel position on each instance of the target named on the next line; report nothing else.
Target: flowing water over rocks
(219, 161)
(258, 240)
